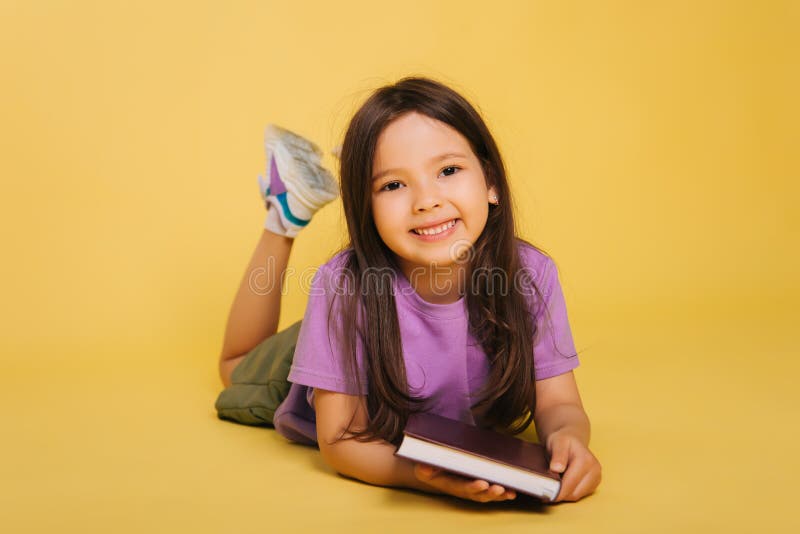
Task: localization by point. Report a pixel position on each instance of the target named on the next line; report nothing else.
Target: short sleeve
(318, 360)
(553, 347)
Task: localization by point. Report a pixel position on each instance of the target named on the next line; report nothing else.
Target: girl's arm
(563, 426)
(375, 462)
(559, 407)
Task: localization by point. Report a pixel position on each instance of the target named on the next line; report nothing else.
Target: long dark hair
(501, 321)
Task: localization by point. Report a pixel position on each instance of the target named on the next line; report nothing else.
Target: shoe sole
(294, 150)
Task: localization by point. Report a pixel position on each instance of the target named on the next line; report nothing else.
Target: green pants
(260, 382)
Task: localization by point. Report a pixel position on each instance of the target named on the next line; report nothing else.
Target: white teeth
(438, 230)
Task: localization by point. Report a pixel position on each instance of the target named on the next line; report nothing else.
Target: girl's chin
(430, 261)
(447, 254)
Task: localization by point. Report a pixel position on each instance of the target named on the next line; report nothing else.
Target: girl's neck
(437, 285)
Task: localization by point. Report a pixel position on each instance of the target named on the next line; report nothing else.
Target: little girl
(434, 304)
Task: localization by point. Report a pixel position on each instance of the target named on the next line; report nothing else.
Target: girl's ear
(493, 196)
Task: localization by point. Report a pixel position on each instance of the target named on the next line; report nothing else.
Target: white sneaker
(295, 184)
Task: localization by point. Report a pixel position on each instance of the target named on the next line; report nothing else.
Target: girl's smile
(436, 231)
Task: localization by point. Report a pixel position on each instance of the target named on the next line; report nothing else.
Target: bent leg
(295, 186)
(256, 308)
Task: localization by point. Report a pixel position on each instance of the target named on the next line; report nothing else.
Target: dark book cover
(483, 442)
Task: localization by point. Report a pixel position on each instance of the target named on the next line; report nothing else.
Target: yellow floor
(693, 420)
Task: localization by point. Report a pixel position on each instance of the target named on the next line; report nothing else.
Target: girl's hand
(465, 488)
(582, 475)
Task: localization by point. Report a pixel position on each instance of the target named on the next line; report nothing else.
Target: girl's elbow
(333, 456)
(345, 458)
(326, 453)
(342, 466)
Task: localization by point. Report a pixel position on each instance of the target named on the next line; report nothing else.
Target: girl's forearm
(373, 462)
(561, 417)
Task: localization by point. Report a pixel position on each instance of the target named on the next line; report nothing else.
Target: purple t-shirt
(444, 362)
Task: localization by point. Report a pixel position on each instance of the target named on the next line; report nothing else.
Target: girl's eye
(451, 167)
(387, 188)
(389, 185)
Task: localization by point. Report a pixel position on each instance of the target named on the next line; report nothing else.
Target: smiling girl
(435, 304)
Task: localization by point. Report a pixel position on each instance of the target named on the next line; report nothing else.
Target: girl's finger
(478, 490)
(470, 489)
(432, 471)
(427, 471)
(477, 486)
(569, 480)
(491, 492)
(560, 457)
(496, 491)
(586, 486)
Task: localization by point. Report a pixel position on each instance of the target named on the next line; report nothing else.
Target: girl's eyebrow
(432, 160)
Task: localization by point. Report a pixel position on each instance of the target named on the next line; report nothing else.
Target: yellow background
(652, 148)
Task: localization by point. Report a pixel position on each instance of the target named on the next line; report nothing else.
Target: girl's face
(426, 177)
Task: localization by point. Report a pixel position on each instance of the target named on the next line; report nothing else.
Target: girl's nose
(427, 204)
(426, 199)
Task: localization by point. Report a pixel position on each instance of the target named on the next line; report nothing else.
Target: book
(480, 454)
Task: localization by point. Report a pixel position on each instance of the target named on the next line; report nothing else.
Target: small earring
(494, 201)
